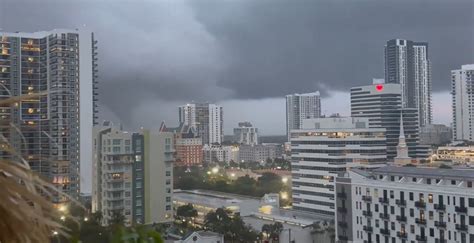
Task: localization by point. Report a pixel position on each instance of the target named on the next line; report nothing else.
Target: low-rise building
(220, 153)
(202, 237)
(405, 204)
(457, 155)
(435, 134)
(187, 143)
(260, 152)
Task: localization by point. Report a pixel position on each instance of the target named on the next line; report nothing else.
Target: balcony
(460, 209)
(401, 218)
(421, 238)
(367, 213)
(461, 227)
(420, 221)
(440, 240)
(440, 207)
(440, 224)
(342, 210)
(342, 224)
(402, 235)
(368, 228)
(420, 204)
(385, 231)
(383, 200)
(341, 195)
(367, 198)
(401, 202)
(385, 216)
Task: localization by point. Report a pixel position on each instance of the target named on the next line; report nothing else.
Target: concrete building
(246, 134)
(324, 147)
(382, 104)
(457, 155)
(133, 174)
(407, 63)
(462, 81)
(220, 154)
(207, 119)
(112, 173)
(52, 124)
(299, 107)
(202, 237)
(405, 204)
(187, 144)
(435, 134)
(260, 152)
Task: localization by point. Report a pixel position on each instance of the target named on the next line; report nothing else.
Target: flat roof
(454, 173)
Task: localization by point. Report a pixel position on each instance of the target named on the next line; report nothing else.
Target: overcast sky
(246, 55)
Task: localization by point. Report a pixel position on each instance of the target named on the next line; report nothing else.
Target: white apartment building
(405, 204)
(219, 153)
(112, 173)
(324, 147)
(246, 134)
(462, 91)
(207, 119)
(299, 107)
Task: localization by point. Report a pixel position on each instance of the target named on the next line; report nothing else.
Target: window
(431, 232)
(430, 198)
(116, 142)
(412, 212)
(471, 202)
(392, 194)
(127, 194)
(168, 207)
(412, 229)
(168, 199)
(453, 182)
(127, 142)
(411, 196)
(116, 149)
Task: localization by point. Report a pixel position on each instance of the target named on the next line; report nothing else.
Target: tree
(186, 213)
(233, 228)
(273, 230)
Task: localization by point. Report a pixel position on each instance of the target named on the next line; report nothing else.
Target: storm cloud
(155, 55)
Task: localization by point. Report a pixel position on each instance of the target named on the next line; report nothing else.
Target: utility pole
(289, 235)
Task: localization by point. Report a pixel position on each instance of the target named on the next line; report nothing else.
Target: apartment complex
(299, 107)
(407, 63)
(220, 154)
(207, 119)
(462, 91)
(246, 134)
(405, 204)
(187, 144)
(133, 175)
(382, 105)
(51, 125)
(324, 147)
(260, 152)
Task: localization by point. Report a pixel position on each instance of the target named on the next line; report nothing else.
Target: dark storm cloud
(177, 51)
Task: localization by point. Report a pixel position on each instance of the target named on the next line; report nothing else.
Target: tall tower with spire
(402, 148)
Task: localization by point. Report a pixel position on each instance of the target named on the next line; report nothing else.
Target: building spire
(402, 149)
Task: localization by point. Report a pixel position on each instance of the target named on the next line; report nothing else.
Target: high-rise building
(407, 63)
(462, 90)
(207, 119)
(299, 107)
(50, 126)
(113, 173)
(405, 204)
(382, 104)
(322, 148)
(246, 134)
(435, 134)
(133, 174)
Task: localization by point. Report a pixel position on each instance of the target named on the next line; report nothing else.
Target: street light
(215, 170)
(63, 218)
(284, 195)
(284, 180)
(86, 219)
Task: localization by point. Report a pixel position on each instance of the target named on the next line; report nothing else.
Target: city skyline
(223, 60)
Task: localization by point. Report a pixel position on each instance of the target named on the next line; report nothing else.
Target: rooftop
(428, 172)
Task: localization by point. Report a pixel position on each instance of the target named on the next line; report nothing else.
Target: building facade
(324, 147)
(405, 204)
(207, 119)
(220, 154)
(407, 63)
(133, 175)
(457, 155)
(246, 134)
(260, 152)
(382, 104)
(435, 134)
(462, 91)
(299, 107)
(49, 76)
(187, 143)
(113, 173)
